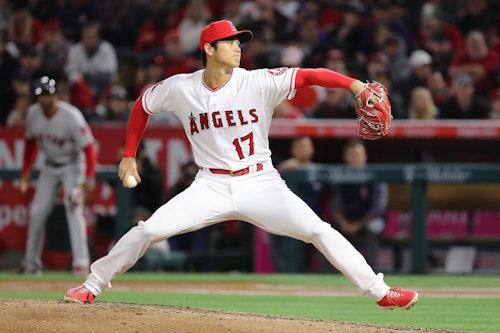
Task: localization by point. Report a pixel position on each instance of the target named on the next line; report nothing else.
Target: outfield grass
(453, 313)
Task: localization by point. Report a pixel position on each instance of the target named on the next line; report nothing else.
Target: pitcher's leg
(196, 207)
(344, 256)
(277, 209)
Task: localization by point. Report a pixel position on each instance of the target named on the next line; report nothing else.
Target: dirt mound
(58, 316)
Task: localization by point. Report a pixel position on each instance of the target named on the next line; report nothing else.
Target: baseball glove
(373, 111)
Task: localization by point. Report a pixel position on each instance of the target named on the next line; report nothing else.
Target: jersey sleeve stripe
(144, 106)
(291, 92)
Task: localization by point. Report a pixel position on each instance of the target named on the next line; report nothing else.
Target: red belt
(237, 172)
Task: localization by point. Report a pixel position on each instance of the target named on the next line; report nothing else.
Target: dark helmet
(45, 85)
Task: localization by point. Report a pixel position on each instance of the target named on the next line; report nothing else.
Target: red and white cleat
(79, 295)
(398, 298)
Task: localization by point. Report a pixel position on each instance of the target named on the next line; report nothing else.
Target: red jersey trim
(219, 87)
(292, 84)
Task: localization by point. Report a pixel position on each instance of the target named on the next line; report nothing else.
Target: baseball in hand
(130, 182)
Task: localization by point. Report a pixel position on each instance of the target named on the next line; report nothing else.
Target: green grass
(450, 313)
(335, 280)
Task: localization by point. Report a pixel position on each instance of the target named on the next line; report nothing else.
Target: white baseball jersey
(62, 136)
(228, 127)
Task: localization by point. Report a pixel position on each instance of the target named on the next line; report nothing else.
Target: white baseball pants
(260, 198)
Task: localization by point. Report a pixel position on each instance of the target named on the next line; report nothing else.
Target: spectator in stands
(404, 23)
(263, 48)
(29, 62)
(422, 105)
(22, 83)
(492, 36)
(358, 209)
(441, 52)
(398, 66)
(46, 10)
(301, 157)
(376, 65)
(176, 59)
(75, 14)
(349, 37)
(153, 72)
(478, 61)
(231, 10)
(495, 105)
(335, 60)
(196, 16)
(261, 12)
(432, 22)
(121, 21)
(310, 8)
(129, 75)
(116, 106)
(337, 104)
(152, 32)
(17, 117)
(292, 55)
(308, 39)
(475, 14)
(288, 8)
(464, 103)
(4, 14)
(420, 64)
(92, 60)
(53, 50)
(438, 88)
(22, 27)
(387, 18)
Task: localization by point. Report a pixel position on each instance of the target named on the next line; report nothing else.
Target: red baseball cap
(221, 30)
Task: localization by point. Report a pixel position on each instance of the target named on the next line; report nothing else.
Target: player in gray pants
(59, 130)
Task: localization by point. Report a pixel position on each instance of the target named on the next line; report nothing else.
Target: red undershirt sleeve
(321, 77)
(90, 160)
(137, 123)
(29, 156)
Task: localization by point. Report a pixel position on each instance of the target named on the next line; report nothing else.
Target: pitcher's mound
(58, 316)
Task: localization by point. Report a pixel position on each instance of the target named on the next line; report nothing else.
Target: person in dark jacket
(464, 103)
(359, 209)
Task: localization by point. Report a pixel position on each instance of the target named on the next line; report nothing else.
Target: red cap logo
(221, 30)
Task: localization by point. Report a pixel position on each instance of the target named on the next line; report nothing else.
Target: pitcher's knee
(319, 230)
(147, 232)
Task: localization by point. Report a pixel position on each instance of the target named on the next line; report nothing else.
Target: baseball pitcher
(226, 112)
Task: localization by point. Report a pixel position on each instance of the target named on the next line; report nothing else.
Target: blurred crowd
(440, 59)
